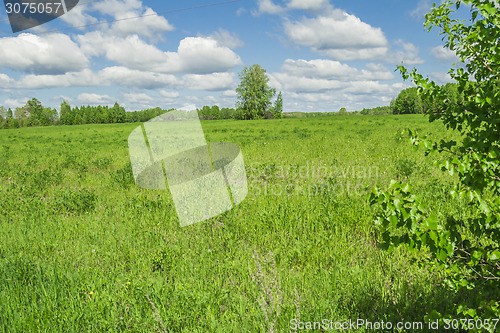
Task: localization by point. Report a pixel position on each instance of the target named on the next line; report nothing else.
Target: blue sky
(322, 55)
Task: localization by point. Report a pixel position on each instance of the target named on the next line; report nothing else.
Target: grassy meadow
(83, 249)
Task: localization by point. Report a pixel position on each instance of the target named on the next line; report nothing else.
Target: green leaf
(494, 256)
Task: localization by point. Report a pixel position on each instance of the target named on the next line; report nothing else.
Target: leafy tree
(379, 110)
(278, 107)
(22, 115)
(254, 92)
(227, 113)
(342, 111)
(465, 247)
(65, 113)
(408, 101)
(34, 112)
(10, 113)
(117, 114)
(49, 117)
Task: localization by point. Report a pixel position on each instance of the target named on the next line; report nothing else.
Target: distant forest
(33, 113)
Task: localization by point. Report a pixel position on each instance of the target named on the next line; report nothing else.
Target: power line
(213, 4)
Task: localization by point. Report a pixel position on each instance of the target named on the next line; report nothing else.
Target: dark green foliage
(408, 101)
(277, 110)
(215, 113)
(34, 114)
(465, 247)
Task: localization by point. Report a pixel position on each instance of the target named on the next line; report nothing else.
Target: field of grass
(83, 249)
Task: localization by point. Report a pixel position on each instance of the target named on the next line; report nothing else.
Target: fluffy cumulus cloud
(200, 55)
(130, 51)
(327, 85)
(323, 74)
(78, 17)
(214, 81)
(71, 79)
(149, 25)
(195, 55)
(269, 7)
(138, 98)
(123, 76)
(129, 17)
(44, 54)
(94, 99)
(334, 70)
(338, 35)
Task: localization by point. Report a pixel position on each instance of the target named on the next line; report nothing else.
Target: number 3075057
(33, 8)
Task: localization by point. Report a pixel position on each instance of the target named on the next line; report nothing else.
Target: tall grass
(82, 249)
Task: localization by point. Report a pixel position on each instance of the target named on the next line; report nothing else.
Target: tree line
(410, 101)
(33, 113)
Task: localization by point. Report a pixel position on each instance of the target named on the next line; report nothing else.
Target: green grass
(82, 249)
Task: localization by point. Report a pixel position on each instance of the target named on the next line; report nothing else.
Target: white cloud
(116, 8)
(130, 51)
(123, 76)
(269, 7)
(95, 99)
(139, 101)
(441, 77)
(334, 70)
(444, 54)
(356, 54)
(199, 55)
(327, 102)
(130, 16)
(327, 85)
(45, 54)
(187, 107)
(196, 55)
(293, 83)
(229, 93)
(227, 39)
(310, 5)
(76, 79)
(137, 98)
(338, 35)
(109, 76)
(77, 18)
(214, 81)
(169, 95)
(151, 25)
(407, 53)
(5, 81)
(15, 103)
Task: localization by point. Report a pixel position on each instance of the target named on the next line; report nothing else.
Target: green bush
(465, 247)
